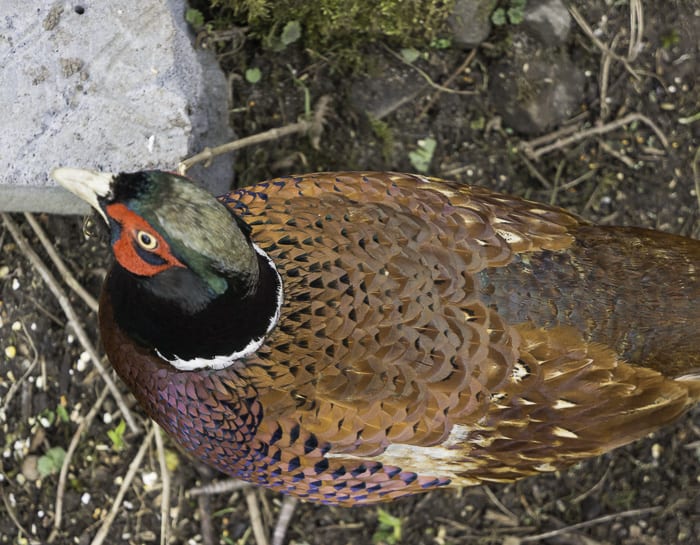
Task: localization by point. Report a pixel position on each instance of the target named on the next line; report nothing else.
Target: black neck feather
(191, 323)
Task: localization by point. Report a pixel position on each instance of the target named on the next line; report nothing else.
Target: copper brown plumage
(430, 335)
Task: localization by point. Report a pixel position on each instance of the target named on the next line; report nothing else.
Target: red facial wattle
(137, 237)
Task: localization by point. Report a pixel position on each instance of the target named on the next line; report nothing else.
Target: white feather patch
(223, 361)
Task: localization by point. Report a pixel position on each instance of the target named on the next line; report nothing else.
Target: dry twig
(434, 97)
(130, 474)
(165, 496)
(255, 518)
(218, 487)
(592, 522)
(585, 27)
(535, 154)
(66, 275)
(427, 77)
(636, 29)
(205, 524)
(313, 127)
(289, 504)
(502, 508)
(71, 315)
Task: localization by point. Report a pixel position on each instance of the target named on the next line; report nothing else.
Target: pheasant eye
(146, 241)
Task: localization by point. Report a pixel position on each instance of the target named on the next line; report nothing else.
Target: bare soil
(647, 492)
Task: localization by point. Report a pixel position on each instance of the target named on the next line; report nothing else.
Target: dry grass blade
(67, 276)
(502, 508)
(165, 496)
(71, 315)
(588, 31)
(206, 527)
(255, 517)
(219, 487)
(636, 29)
(289, 504)
(593, 522)
(63, 475)
(128, 478)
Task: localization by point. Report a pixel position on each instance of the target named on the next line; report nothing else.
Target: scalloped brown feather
(433, 334)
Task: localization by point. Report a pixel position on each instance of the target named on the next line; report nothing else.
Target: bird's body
(368, 336)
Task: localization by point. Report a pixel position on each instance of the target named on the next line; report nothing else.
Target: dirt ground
(645, 493)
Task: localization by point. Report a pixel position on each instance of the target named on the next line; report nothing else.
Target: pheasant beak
(89, 185)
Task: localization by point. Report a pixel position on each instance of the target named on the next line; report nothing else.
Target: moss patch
(337, 27)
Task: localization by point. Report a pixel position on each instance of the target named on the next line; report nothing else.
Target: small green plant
(421, 157)
(383, 132)
(389, 529)
(62, 414)
(51, 462)
(116, 435)
(253, 75)
(514, 13)
(409, 54)
(290, 34)
(194, 17)
(670, 39)
(441, 43)
(46, 418)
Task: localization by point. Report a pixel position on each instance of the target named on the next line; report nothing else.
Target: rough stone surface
(108, 85)
(536, 89)
(470, 21)
(548, 21)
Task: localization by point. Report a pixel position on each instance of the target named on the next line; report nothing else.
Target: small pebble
(85, 498)
(15, 284)
(149, 478)
(30, 468)
(82, 361)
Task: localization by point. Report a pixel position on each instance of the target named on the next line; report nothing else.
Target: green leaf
(51, 462)
(441, 43)
(291, 33)
(421, 157)
(116, 435)
(389, 529)
(409, 54)
(194, 17)
(498, 17)
(515, 15)
(62, 414)
(253, 75)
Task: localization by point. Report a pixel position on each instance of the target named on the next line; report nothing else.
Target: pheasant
(350, 338)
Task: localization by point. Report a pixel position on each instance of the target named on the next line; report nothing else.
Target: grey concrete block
(107, 85)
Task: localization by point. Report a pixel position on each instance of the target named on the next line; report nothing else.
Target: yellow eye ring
(146, 240)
